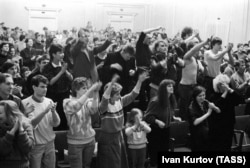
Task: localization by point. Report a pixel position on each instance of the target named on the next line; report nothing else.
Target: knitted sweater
(79, 121)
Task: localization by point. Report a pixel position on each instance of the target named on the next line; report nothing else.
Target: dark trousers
(158, 142)
(109, 150)
(185, 93)
(137, 158)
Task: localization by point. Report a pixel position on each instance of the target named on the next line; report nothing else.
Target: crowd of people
(141, 82)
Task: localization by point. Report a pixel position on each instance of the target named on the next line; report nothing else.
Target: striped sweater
(112, 118)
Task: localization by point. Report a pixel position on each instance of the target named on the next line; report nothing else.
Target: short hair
(129, 49)
(54, 48)
(77, 84)
(216, 40)
(21, 37)
(186, 31)
(239, 45)
(3, 77)
(116, 88)
(39, 79)
(4, 43)
(7, 65)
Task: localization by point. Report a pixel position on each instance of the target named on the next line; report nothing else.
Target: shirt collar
(55, 66)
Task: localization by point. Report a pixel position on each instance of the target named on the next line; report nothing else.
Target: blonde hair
(219, 79)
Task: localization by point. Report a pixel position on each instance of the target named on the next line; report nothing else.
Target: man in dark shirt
(83, 57)
(143, 53)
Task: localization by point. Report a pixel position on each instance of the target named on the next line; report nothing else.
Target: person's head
(80, 86)
(83, 34)
(56, 52)
(4, 47)
(41, 61)
(242, 66)
(245, 47)
(135, 114)
(12, 52)
(39, 84)
(186, 32)
(38, 37)
(240, 47)
(219, 83)
(74, 30)
(10, 68)
(6, 84)
(115, 91)
(127, 52)
(147, 39)
(9, 112)
(21, 37)
(166, 93)
(160, 46)
(29, 42)
(216, 43)
(54, 41)
(25, 72)
(199, 94)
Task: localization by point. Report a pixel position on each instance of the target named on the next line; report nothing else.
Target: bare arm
(195, 49)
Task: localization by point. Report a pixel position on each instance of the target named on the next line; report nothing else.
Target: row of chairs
(179, 140)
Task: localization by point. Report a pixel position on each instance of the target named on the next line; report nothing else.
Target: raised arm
(106, 96)
(151, 29)
(195, 49)
(73, 106)
(129, 98)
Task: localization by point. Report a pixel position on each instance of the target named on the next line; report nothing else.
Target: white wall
(172, 14)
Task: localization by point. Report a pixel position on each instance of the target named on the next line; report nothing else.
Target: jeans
(43, 156)
(80, 156)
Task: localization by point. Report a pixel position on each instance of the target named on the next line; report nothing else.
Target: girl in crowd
(16, 136)
(159, 114)
(136, 131)
(199, 111)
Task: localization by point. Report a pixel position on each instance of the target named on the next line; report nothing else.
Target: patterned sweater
(112, 118)
(79, 121)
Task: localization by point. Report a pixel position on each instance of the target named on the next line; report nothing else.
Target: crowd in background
(84, 78)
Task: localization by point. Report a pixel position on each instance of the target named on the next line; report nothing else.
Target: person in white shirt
(43, 118)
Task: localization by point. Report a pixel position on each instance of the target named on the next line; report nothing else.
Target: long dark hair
(163, 95)
(197, 90)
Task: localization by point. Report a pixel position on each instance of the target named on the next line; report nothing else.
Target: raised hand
(29, 108)
(64, 67)
(143, 76)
